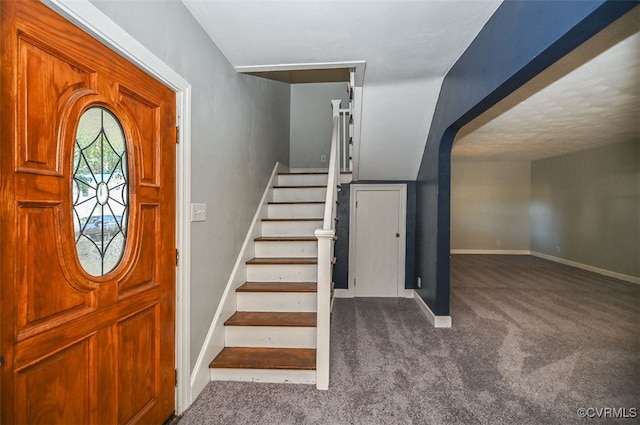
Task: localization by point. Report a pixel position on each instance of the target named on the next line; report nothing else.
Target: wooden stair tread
(296, 203)
(315, 186)
(272, 318)
(293, 173)
(265, 358)
(278, 287)
(294, 219)
(286, 239)
(283, 261)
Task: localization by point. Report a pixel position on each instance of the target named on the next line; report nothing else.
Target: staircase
(272, 335)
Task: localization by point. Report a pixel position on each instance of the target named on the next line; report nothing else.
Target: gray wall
(586, 207)
(311, 122)
(240, 128)
(490, 202)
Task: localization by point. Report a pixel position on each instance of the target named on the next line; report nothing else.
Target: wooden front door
(87, 228)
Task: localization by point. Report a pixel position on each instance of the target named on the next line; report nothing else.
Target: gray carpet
(531, 343)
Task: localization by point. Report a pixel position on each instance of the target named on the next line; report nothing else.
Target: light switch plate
(198, 212)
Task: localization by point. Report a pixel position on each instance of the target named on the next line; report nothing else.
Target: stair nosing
(303, 173)
(278, 287)
(300, 187)
(273, 319)
(286, 239)
(260, 352)
(295, 202)
(283, 261)
(293, 219)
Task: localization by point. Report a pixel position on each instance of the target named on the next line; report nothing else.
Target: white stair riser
(290, 228)
(277, 301)
(270, 336)
(282, 376)
(299, 194)
(286, 249)
(302, 179)
(282, 273)
(295, 210)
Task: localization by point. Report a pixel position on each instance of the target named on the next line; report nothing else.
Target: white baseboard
(214, 341)
(343, 293)
(627, 278)
(609, 273)
(408, 293)
(436, 321)
(492, 251)
(348, 293)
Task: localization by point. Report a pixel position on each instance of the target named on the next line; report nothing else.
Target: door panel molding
(40, 381)
(354, 189)
(93, 21)
(53, 72)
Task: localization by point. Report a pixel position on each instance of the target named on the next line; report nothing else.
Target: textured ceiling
(588, 99)
(408, 47)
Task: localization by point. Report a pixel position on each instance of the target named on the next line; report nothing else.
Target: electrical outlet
(419, 282)
(323, 158)
(558, 249)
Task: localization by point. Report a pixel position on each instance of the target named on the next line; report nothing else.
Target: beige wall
(582, 207)
(490, 203)
(586, 207)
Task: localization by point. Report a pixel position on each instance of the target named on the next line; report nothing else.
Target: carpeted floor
(532, 342)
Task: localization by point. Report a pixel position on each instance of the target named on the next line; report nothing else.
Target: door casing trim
(90, 19)
(354, 189)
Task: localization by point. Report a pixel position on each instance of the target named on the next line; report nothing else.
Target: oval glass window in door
(100, 190)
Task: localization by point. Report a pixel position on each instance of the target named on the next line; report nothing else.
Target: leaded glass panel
(100, 191)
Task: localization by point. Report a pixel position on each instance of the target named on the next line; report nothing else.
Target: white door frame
(355, 188)
(88, 17)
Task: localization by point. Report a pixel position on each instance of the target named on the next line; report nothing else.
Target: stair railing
(346, 139)
(346, 130)
(326, 238)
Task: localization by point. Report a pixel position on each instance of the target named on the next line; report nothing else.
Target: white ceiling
(589, 98)
(408, 47)
(399, 40)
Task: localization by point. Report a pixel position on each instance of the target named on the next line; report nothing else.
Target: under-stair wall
(214, 341)
(268, 311)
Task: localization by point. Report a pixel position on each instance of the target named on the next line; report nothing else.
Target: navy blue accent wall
(341, 250)
(520, 40)
(341, 247)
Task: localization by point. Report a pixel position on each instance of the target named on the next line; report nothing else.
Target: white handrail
(326, 238)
